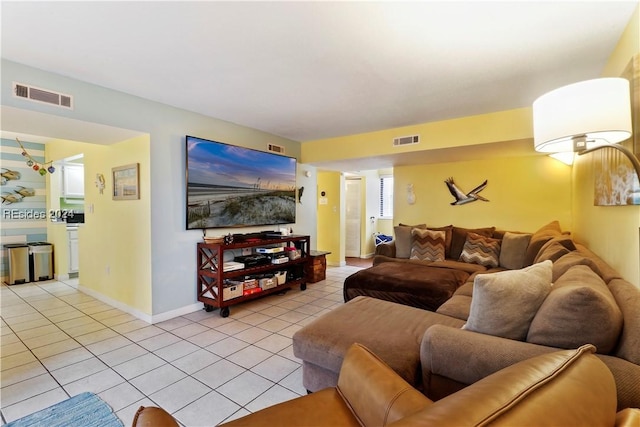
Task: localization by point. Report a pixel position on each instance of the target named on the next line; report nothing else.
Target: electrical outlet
(246, 251)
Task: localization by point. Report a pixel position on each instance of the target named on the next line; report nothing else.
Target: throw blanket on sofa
(414, 285)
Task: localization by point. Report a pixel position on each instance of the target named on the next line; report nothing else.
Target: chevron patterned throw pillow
(481, 250)
(427, 245)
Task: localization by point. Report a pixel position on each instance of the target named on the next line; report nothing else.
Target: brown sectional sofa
(470, 335)
(568, 388)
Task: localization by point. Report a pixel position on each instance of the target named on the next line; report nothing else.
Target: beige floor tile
(66, 358)
(195, 361)
(161, 340)
(212, 409)
(139, 365)
(33, 404)
(179, 394)
(97, 336)
(218, 373)
(157, 379)
(95, 383)
(276, 394)
(176, 350)
(23, 390)
(249, 356)
(275, 368)
(245, 387)
(121, 396)
(21, 373)
(122, 354)
(78, 370)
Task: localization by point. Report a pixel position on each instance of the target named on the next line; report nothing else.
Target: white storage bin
(281, 277)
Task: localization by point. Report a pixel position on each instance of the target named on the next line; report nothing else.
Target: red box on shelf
(251, 291)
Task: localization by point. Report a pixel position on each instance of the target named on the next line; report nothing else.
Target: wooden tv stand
(212, 278)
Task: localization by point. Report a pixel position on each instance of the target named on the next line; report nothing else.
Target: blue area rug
(83, 410)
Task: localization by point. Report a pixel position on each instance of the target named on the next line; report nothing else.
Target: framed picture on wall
(126, 182)
(616, 182)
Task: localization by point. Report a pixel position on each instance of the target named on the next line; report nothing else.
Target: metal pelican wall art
(462, 198)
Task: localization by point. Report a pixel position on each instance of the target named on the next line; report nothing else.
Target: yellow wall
(485, 128)
(115, 242)
(524, 193)
(610, 231)
(331, 223)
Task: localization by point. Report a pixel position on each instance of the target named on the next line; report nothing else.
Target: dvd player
(253, 260)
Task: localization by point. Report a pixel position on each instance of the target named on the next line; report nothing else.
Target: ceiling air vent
(275, 148)
(406, 140)
(42, 95)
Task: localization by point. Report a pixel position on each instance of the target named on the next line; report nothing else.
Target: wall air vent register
(45, 96)
(406, 140)
(275, 148)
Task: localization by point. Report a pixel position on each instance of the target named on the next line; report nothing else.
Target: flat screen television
(230, 186)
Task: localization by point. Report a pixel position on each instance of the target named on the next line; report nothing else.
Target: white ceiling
(312, 70)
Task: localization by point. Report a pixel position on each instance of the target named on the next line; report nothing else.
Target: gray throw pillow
(514, 250)
(505, 303)
(403, 239)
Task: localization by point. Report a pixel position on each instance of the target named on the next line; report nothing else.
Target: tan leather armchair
(571, 387)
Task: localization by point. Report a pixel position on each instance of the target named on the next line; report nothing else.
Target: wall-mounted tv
(230, 186)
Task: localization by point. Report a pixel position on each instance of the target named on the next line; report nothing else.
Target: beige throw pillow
(427, 245)
(505, 303)
(513, 250)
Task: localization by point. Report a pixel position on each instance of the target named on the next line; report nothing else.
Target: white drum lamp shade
(598, 110)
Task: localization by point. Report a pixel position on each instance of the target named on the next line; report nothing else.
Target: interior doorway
(353, 216)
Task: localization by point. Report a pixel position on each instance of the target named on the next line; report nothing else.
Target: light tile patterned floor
(57, 342)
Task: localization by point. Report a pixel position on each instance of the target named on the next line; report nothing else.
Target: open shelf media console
(221, 289)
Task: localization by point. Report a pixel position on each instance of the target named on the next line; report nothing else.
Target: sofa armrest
(479, 355)
(387, 249)
(628, 417)
(386, 398)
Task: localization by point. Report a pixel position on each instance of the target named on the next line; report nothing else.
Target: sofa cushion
(580, 309)
(459, 265)
(513, 250)
(481, 250)
(563, 388)
(539, 238)
(457, 306)
(565, 262)
(459, 237)
(554, 249)
(402, 234)
(505, 303)
(427, 245)
(627, 296)
(382, 326)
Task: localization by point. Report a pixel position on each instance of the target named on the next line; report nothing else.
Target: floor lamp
(584, 117)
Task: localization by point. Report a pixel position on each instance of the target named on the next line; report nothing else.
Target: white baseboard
(137, 313)
(157, 318)
(339, 264)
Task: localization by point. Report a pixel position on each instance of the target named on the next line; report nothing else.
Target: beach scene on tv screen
(230, 186)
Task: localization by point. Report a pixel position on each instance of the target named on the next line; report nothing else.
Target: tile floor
(57, 342)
